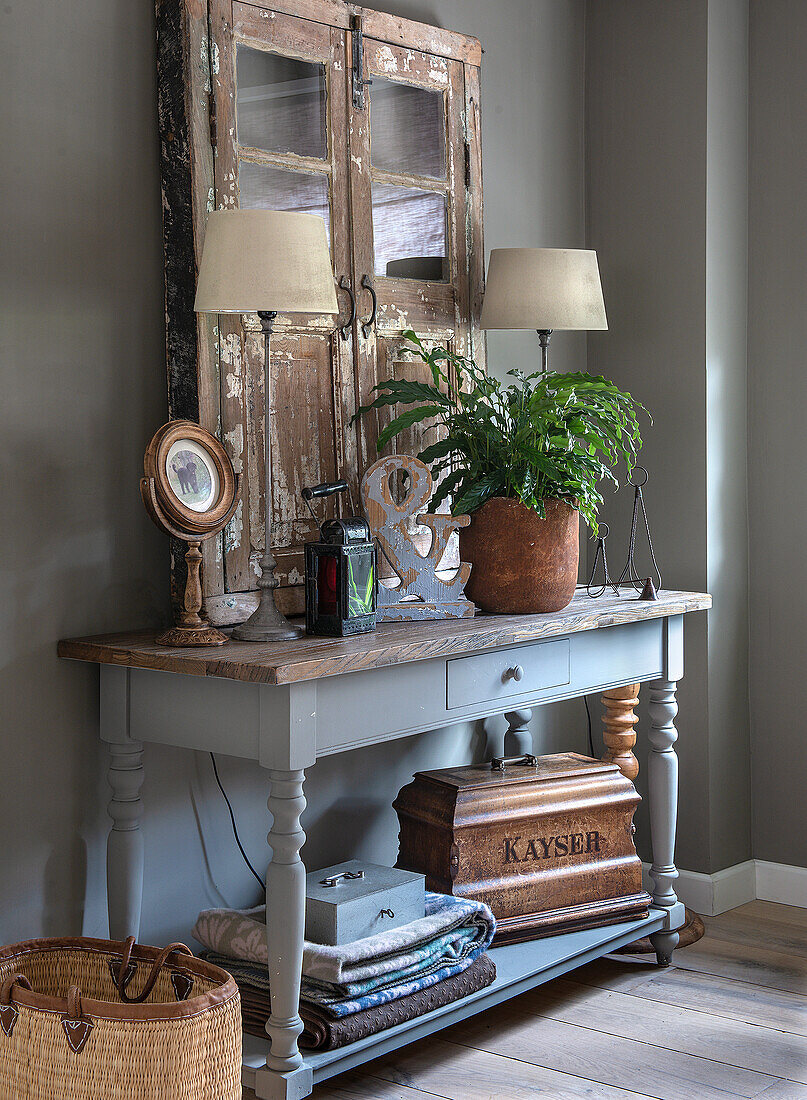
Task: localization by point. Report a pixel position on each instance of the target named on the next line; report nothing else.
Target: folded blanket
(324, 1032)
(452, 931)
(331, 999)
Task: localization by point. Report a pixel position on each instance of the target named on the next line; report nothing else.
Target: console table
(285, 704)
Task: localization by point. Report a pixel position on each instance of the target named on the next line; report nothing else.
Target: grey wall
(81, 352)
(646, 186)
(777, 398)
(666, 205)
(83, 374)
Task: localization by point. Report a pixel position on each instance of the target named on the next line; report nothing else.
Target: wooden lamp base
(192, 629)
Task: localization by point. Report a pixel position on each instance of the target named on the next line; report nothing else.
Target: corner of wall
(727, 431)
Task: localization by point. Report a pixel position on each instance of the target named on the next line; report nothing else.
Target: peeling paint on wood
(235, 441)
(235, 386)
(318, 379)
(181, 338)
(187, 177)
(234, 529)
(204, 57)
(386, 60)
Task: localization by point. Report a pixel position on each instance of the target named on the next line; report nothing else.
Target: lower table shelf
(519, 967)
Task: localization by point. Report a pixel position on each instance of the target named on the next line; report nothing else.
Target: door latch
(359, 83)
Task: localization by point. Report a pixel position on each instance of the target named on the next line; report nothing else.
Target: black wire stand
(599, 553)
(643, 585)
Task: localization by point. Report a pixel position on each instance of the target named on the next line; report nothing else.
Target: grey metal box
(384, 898)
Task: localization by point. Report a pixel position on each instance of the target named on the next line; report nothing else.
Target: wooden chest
(546, 842)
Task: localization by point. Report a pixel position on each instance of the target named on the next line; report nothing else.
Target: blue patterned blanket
(377, 969)
(249, 974)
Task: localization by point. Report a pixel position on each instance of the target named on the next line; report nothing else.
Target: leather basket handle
(8, 1010)
(75, 1025)
(157, 966)
(7, 988)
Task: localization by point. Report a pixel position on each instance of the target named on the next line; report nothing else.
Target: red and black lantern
(341, 582)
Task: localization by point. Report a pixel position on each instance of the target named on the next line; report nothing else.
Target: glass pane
(409, 232)
(281, 103)
(264, 187)
(407, 131)
(360, 584)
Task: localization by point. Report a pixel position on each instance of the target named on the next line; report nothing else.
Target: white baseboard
(744, 882)
(717, 893)
(733, 886)
(781, 882)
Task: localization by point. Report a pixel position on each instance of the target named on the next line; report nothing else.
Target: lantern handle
(326, 489)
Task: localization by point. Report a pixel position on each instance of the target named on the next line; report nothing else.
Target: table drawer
(491, 677)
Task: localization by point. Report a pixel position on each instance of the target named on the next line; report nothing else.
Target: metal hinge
(357, 64)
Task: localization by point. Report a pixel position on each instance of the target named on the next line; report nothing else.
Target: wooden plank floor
(728, 1019)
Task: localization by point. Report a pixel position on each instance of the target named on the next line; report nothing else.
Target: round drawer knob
(514, 673)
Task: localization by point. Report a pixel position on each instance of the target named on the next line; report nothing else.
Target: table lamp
(265, 261)
(544, 289)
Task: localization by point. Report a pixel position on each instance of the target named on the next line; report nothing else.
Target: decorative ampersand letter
(422, 594)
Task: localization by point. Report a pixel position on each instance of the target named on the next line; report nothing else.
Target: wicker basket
(95, 1020)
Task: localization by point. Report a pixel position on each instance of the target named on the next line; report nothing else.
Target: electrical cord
(235, 827)
(590, 735)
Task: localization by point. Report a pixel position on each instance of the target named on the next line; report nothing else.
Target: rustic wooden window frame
(190, 36)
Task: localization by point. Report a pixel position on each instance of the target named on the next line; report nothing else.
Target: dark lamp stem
(543, 339)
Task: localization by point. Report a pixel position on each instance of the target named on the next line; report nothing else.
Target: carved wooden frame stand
(171, 515)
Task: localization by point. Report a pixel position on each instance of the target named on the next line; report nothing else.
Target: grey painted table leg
(662, 778)
(124, 866)
(124, 853)
(518, 737)
(285, 925)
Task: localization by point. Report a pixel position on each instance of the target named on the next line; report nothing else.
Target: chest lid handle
(499, 763)
(334, 880)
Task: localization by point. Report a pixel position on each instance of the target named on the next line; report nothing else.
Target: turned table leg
(662, 779)
(124, 853)
(619, 735)
(285, 926)
(124, 863)
(517, 737)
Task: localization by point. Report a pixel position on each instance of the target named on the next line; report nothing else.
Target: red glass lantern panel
(327, 575)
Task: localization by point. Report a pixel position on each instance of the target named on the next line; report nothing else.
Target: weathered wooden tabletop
(392, 643)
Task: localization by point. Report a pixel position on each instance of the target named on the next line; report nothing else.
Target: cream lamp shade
(543, 289)
(265, 260)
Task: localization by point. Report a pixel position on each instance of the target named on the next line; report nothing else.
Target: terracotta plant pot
(522, 564)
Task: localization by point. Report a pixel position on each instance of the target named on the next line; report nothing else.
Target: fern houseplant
(524, 458)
